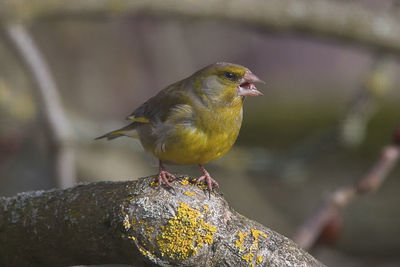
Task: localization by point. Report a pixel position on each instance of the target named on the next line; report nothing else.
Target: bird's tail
(124, 131)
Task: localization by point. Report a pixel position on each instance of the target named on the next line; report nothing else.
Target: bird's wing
(159, 107)
(170, 104)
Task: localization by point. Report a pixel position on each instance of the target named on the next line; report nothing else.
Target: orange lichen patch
(240, 241)
(190, 194)
(259, 259)
(181, 236)
(185, 182)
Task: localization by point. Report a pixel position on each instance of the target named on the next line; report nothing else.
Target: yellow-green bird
(195, 120)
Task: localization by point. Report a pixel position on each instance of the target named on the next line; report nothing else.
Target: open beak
(247, 88)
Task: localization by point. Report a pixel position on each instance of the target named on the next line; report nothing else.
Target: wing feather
(159, 106)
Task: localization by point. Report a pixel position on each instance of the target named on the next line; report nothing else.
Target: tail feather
(118, 133)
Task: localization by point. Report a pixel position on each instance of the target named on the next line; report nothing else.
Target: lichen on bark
(137, 223)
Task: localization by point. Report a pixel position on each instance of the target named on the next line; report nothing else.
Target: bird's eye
(230, 75)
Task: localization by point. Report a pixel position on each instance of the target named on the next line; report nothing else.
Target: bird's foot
(207, 178)
(163, 176)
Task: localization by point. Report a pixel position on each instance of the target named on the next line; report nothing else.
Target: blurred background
(328, 109)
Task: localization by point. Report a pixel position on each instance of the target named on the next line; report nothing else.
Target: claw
(163, 176)
(207, 178)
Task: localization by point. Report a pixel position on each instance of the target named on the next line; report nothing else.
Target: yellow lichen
(255, 233)
(251, 265)
(240, 241)
(167, 195)
(190, 194)
(148, 232)
(202, 186)
(206, 208)
(259, 259)
(144, 252)
(185, 182)
(181, 236)
(154, 184)
(248, 257)
(130, 199)
(126, 223)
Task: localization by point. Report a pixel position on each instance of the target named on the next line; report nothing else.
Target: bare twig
(346, 21)
(137, 223)
(364, 104)
(330, 206)
(59, 132)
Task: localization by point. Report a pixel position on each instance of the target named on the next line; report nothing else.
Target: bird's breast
(208, 137)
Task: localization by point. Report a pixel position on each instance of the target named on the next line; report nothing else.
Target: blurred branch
(346, 21)
(58, 131)
(351, 129)
(330, 207)
(137, 223)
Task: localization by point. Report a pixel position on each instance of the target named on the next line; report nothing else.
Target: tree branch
(334, 19)
(56, 122)
(137, 223)
(330, 207)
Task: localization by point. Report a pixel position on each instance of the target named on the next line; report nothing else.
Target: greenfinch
(193, 121)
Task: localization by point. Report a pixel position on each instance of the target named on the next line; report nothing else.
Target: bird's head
(223, 82)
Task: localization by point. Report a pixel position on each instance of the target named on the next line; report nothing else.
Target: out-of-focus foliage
(17, 105)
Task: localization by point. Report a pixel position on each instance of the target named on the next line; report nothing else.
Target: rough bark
(137, 223)
(348, 21)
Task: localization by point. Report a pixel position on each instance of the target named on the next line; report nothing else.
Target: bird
(193, 121)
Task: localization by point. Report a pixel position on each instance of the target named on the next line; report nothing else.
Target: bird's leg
(163, 175)
(206, 176)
